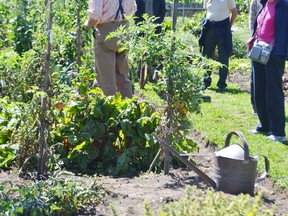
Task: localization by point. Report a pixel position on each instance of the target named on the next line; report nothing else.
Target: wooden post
(174, 17)
(78, 33)
(166, 157)
(42, 123)
(169, 101)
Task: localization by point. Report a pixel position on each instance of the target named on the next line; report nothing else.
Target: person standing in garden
(155, 8)
(111, 65)
(255, 7)
(216, 32)
(271, 26)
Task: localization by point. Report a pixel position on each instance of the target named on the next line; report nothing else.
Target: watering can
(235, 171)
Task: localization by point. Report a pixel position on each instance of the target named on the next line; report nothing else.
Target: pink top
(266, 22)
(105, 10)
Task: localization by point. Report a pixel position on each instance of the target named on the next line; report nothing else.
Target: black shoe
(204, 86)
(221, 90)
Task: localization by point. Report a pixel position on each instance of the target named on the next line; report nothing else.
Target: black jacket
(159, 10)
(223, 30)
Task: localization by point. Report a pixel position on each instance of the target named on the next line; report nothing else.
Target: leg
(252, 98)
(223, 58)
(105, 61)
(143, 74)
(123, 83)
(209, 52)
(111, 65)
(96, 80)
(260, 97)
(275, 96)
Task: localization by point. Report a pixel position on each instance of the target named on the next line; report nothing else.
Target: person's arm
(233, 15)
(94, 13)
(91, 22)
(252, 14)
(253, 11)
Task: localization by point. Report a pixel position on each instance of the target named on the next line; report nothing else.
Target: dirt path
(128, 195)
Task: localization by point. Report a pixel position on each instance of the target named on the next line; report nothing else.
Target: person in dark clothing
(155, 8)
(255, 7)
(216, 32)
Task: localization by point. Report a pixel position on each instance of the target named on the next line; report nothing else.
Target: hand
(90, 23)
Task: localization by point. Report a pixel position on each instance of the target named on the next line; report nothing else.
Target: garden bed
(128, 195)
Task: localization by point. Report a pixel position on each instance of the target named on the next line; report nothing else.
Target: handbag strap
(265, 8)
(258, 29)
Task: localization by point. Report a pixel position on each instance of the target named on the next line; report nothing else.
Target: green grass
(149, 93)
(232, 111)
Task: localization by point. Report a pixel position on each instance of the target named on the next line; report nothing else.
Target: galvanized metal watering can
(235, 171)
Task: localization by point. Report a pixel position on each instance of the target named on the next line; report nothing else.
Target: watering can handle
(267, 167)
(241, 136)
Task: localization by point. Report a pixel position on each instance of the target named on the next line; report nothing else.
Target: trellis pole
(42, 123)
(169, 100)
(78, 33)
(174, 15)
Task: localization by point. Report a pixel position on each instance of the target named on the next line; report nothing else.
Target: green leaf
(122, 163)
(53, 207)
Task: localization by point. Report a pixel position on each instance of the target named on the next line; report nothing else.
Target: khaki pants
(111, 66)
